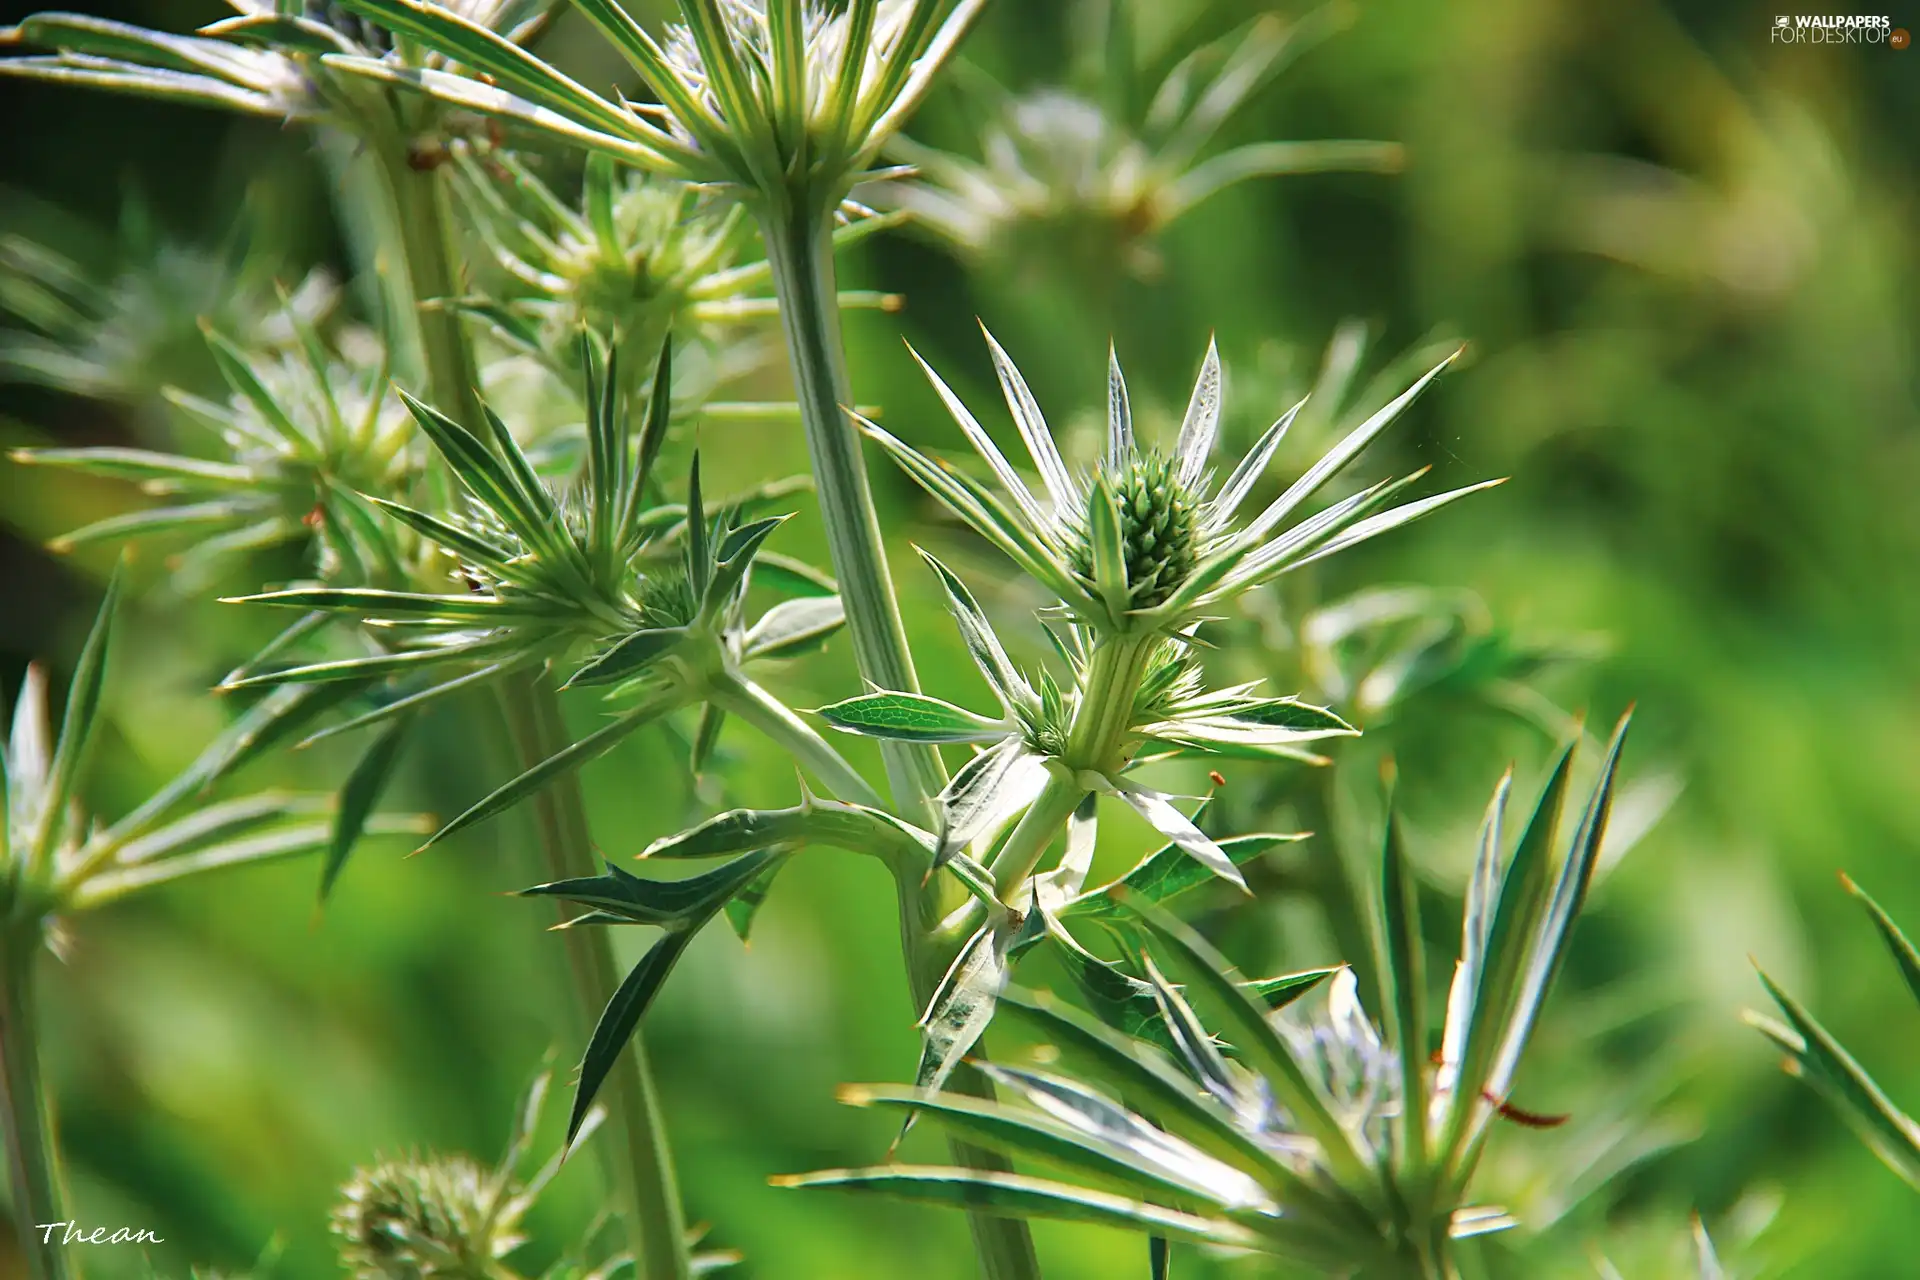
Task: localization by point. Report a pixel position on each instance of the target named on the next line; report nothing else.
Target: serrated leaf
(962, 1007)
(910, 717)
(1168, 872)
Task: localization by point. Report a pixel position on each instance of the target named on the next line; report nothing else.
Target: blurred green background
(1684, 259)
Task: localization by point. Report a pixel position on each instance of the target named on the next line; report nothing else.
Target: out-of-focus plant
(421, 1217)
(1090, 174)
(1316, 1138)
(1814, 1055)
(127, 331)
(305, 428)
(56, 863)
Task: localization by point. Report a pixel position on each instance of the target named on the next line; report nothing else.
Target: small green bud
(1159, 524)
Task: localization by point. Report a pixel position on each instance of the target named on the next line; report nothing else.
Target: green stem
(1004, 1246)
(1036, 829)
(1104, 715)
(739, 695)
(639, 1162)
(425, 239)
(32, 1163)
(640, 1167)
(799, 244)
(800, 250)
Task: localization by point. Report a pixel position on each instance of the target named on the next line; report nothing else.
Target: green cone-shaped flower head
(1148, 539)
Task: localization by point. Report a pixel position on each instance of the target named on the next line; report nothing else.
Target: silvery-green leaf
(1104, 536)
(1201, 424)
(1336, 458)
(1887, 1131)
(1243, 477)
(1296, 1088)
(852, 827)
(962, 1006)
(794, 627)
(982, 644)
(1119, 414)
(1015, 1195)
(988, 791)
(1169, 871)
(627, 656)
(910, 717)
(1062, 488)
(1157, 808)
(1128, 1166)
(1038, 520)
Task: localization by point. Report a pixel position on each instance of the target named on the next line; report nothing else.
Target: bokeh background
(1684, 258)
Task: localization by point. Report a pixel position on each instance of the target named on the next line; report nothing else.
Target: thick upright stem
(800, 249)
(639, 1163)
(32, 1168)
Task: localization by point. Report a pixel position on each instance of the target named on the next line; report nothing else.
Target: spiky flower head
(1329, 1138)
(307, 426)
(1083, 175)
(638, 258)
(417, 1219)
(597, 578)
(783, 102)
(57, 860)
(1148, 540)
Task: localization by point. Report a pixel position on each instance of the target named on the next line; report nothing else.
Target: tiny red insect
(1213, 775)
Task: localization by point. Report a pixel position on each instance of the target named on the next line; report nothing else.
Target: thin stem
(800, 250)
(1004, 1246)
(736, 693)
(32, 1163)
(640, 1164)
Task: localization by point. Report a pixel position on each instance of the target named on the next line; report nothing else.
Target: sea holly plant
(1091, 173)
(1344, 1139)
(1814, 1055)
(595, 579)
(59, 863)
(421, 1215)
(1140, 552)
(305, 427)
(638, 257)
